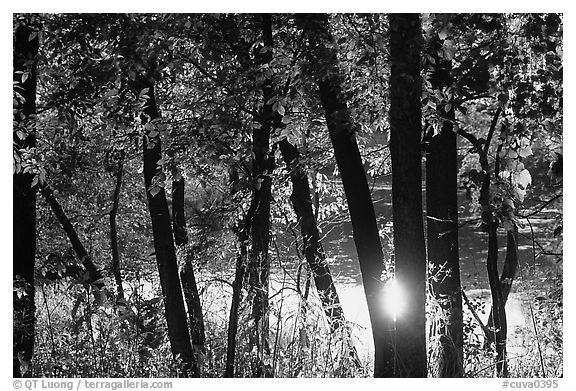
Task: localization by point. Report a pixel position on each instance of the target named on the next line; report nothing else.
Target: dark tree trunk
(24, 203)
(405, 148)
(342, 134)
(252, 264)
(258, 263)
(237, 284)
(163, 241)
(178, 216)
(490, 226)
(498, 311)
(509, 271)
(442, 231)
(191, 295)
(114, 232)
(93, 276)
(313, 251)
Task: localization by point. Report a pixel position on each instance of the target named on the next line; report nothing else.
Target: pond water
(341, 253)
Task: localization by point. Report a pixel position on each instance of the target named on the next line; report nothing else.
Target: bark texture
(405, 146)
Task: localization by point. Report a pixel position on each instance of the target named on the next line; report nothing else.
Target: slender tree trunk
(498, 311)
(114, 232)
(24, 203)
(313, 251)
(191, 295)
(342, 134)
(258, 262)
(178, 216)
(93, 275)
(508, 274)
(235, 304)
(162, 232)
(405, 147)
(490, 226)
(240, 272)
(442, 231)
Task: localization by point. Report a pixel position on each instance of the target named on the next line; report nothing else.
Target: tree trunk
(490, 226)
(508, 274)
(242, 235)
(313, 251)
(178, 216)
(442, 231)
(191, 295)
(24, 204)
(162, 232)
(258, 263)
(498, 311)
(363, 218)
(405, 147)
(93, 275)
(114, 232)
(252, 264)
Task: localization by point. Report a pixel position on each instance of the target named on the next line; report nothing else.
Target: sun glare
(394, 299)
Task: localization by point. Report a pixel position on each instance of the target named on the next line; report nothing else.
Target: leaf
(522, 178)
(25, 77)
(449, 50)
(525, 152)
(512, 154)
(155, 190)
(281, 109)
(558, 231)
(443, 34)
(110, 93)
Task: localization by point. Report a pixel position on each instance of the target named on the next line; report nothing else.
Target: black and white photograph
(287, 195)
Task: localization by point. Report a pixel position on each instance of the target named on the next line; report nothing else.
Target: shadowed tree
(114, 230)
(313, 251)
(191, 295)
(442, 223)
(405, 147)
(92, 274)
(165, 250)
(24, 196)
(341, 129)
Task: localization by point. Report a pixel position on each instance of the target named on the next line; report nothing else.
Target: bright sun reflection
(394, 298)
